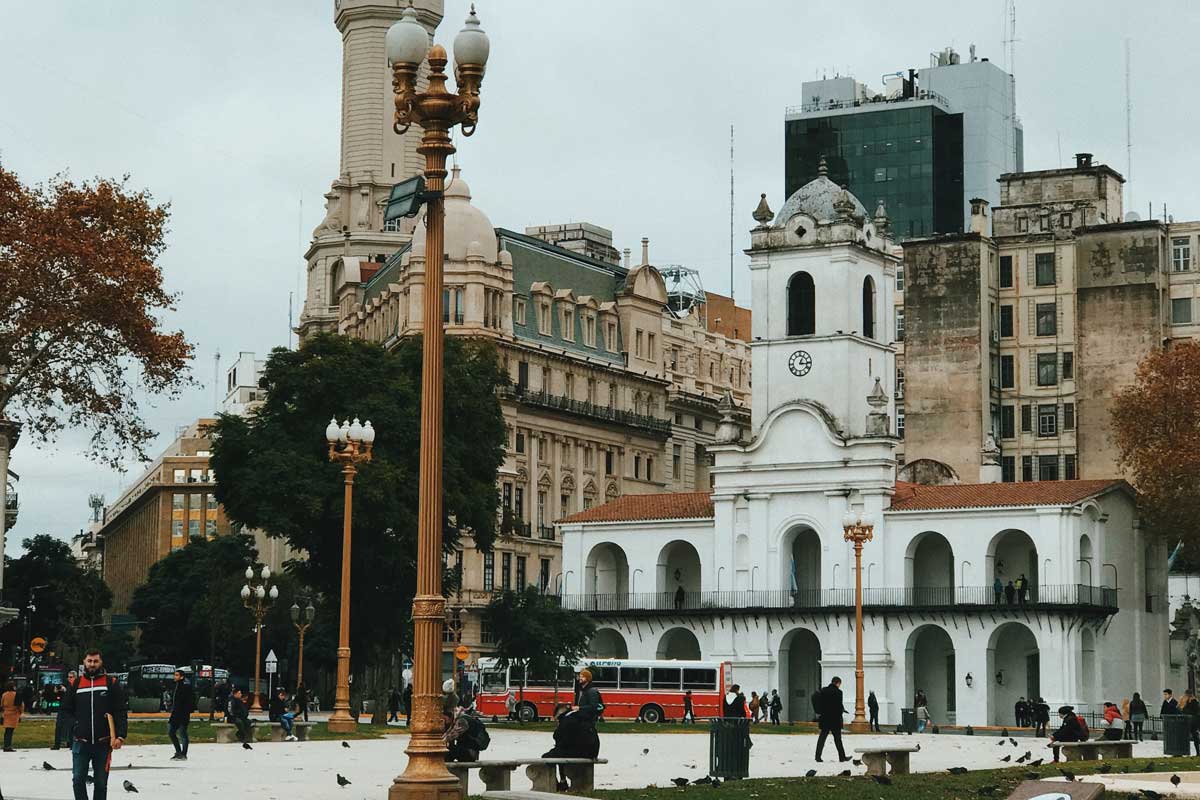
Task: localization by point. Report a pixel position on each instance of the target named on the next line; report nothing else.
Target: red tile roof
(639, 507)
(917, 497)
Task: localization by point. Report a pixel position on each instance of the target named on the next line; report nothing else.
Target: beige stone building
(1026, 328)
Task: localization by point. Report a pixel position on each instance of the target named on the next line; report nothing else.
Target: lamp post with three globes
(258, 598)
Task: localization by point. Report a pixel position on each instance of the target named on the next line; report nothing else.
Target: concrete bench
(497, 775)
(227, 733)
(877, 759)
(1093, 749)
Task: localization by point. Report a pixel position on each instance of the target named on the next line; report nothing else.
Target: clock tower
(823, 278)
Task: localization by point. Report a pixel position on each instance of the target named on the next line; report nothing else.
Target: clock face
(799, 363)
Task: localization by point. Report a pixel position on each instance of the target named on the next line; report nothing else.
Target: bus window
(700, 679)
(668, 678)
(604, 677)
(635, 677)
(495, 682)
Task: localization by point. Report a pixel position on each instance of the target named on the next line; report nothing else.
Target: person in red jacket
(96, 702)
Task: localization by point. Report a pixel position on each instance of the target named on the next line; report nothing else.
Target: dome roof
(816, 198)
(465, 225)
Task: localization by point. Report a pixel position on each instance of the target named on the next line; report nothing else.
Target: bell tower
(823, 277)
(373, 156)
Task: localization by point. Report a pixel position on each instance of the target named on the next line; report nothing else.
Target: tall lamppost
(859, 528)
(348, 445)
(436, 110)
(258, 598)
(302, 618)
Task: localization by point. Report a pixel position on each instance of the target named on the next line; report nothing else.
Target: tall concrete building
(925, 144)
(1019, 334)
(373, 156)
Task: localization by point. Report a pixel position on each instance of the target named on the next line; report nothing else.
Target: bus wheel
(527, 712)
(652, 714)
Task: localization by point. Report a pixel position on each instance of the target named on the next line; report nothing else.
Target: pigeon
(1002, 740)
(129, 787)
(856, 762)
(246, 746)
(346, 745)
(1028, 755)
(342, 782)
(882, 780)
(986, 791)
(1007, 758)
(1066, 773)
(1037, 762)
(705, 779)
(1150, 794)
(681, 782)
(1175, 780)
(46, 765)
(645, 751)
(1105, 769)
(957, 770)
(844, 773)
(812, 773)
(1013, 742)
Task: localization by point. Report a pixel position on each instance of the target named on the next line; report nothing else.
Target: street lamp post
(436, 110)
(349, 445)
(859, 528)
(258, 598)
(302, 618)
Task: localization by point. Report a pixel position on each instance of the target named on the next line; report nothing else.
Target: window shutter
(1031, 316)
(1061, 330)
(1031, 271)
(1033, 376)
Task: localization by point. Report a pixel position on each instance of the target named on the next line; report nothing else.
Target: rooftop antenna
(216, 376)
(1128, 129)
(1010, 58)
(731, 212)
(300, 271)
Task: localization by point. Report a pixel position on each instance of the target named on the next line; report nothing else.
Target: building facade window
(1047, 369)
(677, 462)
(1047, 420)
(610, 337)
(649, 468)
(1068, 366)
(868, 307)
(1006, 322)
(1008, 422)
(899, 382)
(520, 572)
(1181, 254)
(899, 324)
(564, 504)
(1181, 311)
(1006, 272)
(544, 323)
(802, 300)
(1047, 319)
(899, 277)
(637, 466)
(608, 462)
(568, 324)
(651, 352)
(506, 491)
(519, 503)
(544, 574)
(1044, 269)
(1026, 468)
(1047, 468)
(1026, 418)
(519, 311)
(1068, 416)
(180, 476)
(1008, 469)
(506, 571)
(1008, 372)
(900, 421)
(1069, 471)
(489, 571)
(178, 502)
(520, 442)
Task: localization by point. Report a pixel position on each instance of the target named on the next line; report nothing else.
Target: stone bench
(497, 775)
(1093, 749)
(227, 733)
(877, 759)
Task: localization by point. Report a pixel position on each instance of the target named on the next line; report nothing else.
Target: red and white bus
(651, 690)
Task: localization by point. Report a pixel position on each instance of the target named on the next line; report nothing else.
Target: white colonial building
(758, 572)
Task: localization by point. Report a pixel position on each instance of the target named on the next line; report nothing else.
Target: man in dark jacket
(96, 702)
(182, 704)
(873, 711)
(1169, 704)
(733, 705)
(829, 718)
(63, 723)
(221, 701)
(239, 714)
(1070, 730)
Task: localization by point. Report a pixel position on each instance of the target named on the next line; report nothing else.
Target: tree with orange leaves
(81, 300)
(1156, 426)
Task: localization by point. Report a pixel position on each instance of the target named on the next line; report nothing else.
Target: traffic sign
(462, 652)
(37, 644)
(272, 662)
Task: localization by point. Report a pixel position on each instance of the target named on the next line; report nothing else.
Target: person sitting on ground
(1069, 731)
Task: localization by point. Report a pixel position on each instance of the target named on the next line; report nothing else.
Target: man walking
(873, 710)
(689, 713)
(393, 705)
(182, 704)
(829, 718)
(97, 704)
(776, 706)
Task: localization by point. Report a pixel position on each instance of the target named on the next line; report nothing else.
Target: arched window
(868, 307)
(802, 300)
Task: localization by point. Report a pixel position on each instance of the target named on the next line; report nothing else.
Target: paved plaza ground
(307, 770)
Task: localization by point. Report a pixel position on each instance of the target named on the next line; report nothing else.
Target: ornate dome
(817, 198)
(465, 225)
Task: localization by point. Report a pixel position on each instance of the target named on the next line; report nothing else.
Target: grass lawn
(40, 733)
(922, 786)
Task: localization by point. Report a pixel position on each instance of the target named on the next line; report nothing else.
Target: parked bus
(651, 690)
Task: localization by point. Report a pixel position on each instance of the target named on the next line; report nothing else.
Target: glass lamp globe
(368, 434)
(331, 431)
(245, 592)
(249, 573)
(274, 592)
(407, 40)
(848, 519)
(356, 431)
(471, 45)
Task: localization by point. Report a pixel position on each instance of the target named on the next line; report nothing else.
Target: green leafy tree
(535, 634)
(273, 472)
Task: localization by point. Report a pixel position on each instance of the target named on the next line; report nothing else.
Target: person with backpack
(97, 703)
(1071, 729)
(465, 737)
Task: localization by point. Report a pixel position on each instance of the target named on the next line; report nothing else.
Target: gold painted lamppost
(859, 528)
(302, 618)
(436, 110)
(258, 598)
(348, 445)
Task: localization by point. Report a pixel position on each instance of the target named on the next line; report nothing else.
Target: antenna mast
(216, 377)
(731, 212)
(1128, 130)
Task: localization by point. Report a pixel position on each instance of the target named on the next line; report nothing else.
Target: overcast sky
(616, 113)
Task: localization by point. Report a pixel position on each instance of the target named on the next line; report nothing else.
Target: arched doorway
(679, 644)
(868, 307)
(1012, 555)
(929, 568)
(678, 568)
(1014, 670)
(799, 673)
(606, 577)
(1086, 559)
(608, 643)
(929, 668)
(802, 566)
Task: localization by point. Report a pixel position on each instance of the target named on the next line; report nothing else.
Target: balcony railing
(582, 408)
(951, 597)
(546, 532)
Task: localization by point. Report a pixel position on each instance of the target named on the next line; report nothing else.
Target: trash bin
(1176, 734)
(908, 720)
(729, 748)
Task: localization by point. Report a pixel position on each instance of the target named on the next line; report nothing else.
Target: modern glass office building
(907, 154)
